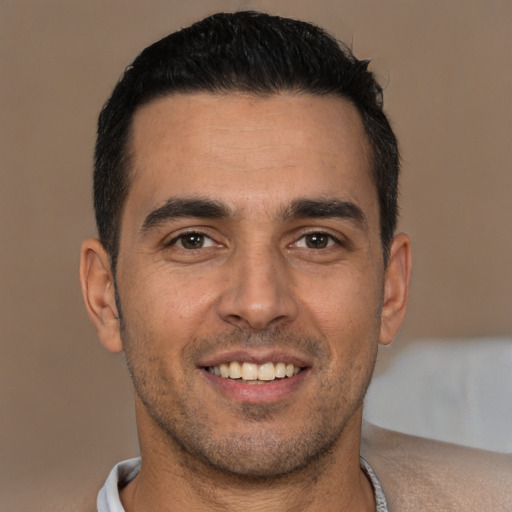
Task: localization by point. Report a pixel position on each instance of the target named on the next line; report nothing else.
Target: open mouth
(253, 373)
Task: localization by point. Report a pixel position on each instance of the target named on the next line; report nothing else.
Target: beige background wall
(66, 403)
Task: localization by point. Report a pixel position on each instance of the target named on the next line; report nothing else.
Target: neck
(171, 479)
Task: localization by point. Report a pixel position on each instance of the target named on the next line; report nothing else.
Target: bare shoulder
(422, 474)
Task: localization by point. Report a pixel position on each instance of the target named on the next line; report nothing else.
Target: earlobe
(396, 288)
(99, 294)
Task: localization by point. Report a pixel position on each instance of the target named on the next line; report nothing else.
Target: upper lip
(256, 357)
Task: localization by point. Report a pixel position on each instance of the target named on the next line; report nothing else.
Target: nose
(258, 291)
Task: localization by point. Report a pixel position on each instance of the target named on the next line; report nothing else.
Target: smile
(252, 372)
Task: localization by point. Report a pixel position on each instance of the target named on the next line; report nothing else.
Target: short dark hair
(245, 52)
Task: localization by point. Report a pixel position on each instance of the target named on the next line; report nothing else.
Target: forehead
(246, 150)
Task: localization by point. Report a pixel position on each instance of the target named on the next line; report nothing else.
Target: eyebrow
(303, 208)
(323, 208)
(176, 208)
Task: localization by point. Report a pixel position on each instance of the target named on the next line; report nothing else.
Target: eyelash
(331, 240)
(182, 236)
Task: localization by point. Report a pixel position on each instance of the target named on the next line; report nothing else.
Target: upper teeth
(252, 371)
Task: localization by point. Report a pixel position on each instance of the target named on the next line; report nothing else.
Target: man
(247, 264)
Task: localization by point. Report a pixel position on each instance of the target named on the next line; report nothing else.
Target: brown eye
(317, 240)
(192, 241)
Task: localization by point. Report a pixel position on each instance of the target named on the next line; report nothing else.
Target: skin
(269, 280)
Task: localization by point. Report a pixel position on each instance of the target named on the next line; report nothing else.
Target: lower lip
(268, 392)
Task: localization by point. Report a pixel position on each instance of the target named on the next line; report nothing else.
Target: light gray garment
(380, 499)
(125, 472)
(122, 474)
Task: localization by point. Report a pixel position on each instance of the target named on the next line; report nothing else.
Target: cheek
(165, 300)
(345, 308)
(346, 312)
(163, 315)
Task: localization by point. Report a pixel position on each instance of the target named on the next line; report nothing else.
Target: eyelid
(190, 231)
(332, 240)
(335, 236)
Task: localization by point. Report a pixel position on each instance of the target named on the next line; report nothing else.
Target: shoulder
(422, 474)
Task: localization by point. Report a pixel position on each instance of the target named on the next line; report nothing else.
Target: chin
(262, 454)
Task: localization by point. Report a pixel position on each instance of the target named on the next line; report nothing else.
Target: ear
(396, 288)
(98, 291)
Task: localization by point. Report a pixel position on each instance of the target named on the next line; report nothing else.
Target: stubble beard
(264, 453)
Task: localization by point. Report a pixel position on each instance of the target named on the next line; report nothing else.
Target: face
(250, 277)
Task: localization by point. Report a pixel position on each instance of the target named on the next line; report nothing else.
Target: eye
(193, 240)
(316, 241)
